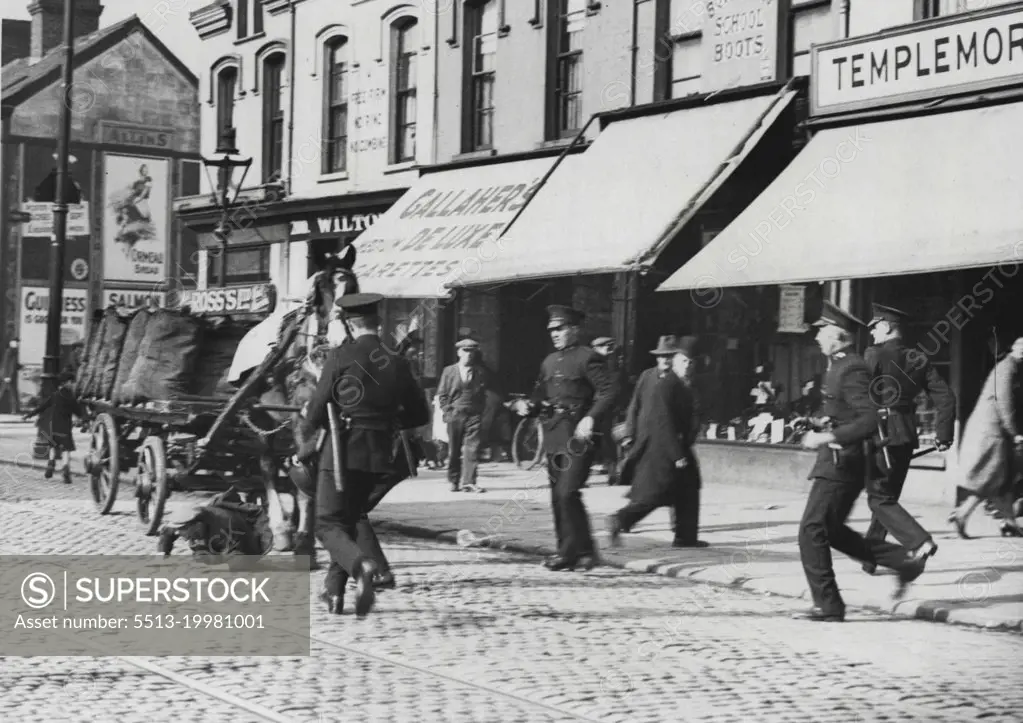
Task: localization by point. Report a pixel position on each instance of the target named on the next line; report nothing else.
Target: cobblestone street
(480, 635)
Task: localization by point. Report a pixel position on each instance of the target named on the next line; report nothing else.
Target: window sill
(401, 167)
(556, 143)
(248, 38)
(332, 177)
(475, 155)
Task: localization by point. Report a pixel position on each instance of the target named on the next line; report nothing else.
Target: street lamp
(229, 159)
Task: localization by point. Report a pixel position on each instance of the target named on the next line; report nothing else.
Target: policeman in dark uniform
(898, 375)
(579, 392)
(839, 473)
(375, 395)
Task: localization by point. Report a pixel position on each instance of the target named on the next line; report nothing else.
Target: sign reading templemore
(117, 605)
(950, 55)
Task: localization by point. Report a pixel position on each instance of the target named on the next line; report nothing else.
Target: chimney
(48, 23)
(17, 40)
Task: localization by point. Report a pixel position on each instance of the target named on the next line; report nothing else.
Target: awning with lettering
(909, 196)
(445, 227)
(631, 191)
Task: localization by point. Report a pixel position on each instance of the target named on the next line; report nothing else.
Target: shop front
(906, 194)
(606, 229)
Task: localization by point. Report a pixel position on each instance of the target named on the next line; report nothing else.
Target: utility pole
(51, 360)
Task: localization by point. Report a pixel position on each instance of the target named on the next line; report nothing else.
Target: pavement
(752, 533)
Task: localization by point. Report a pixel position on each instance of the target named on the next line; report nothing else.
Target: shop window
(811, 23)
(335, 106)
(405, 33)
(567, 21)
(481, 28)
(685, 65)
(244, 266)
(273, 118)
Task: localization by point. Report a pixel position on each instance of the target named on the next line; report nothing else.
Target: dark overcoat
(847, 403)
(986, 455)
(662, 423)
(55, 422)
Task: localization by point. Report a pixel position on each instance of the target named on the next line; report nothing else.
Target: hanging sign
(42, 219)
(792, 309)
(740, 43)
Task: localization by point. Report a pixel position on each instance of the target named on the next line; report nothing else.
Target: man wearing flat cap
(898, 375)
(660, 430)
(608, 452)
(462, 393)
(840, 472)
(578, 393)
(375, 395)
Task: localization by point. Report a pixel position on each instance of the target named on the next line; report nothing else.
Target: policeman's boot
(365, 594)
(67, 475)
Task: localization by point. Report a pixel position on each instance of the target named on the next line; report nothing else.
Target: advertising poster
(131, 299)
(35, 304)
(135, 219)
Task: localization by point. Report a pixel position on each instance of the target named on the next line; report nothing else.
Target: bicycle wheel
(527, 443)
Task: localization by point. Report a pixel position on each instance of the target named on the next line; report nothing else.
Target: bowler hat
(667, 345)
(359, 304)
(887, 313)
(561, 315)
(834, 315)
(467, 344)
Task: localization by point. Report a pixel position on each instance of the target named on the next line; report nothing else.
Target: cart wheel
(527, 443)
(103, 463)
(151, 479)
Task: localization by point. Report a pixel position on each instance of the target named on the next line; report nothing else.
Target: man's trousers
(883, 498)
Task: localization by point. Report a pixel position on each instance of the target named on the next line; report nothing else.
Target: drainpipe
(845, 286)
(291, 100)
(843, 18)
(634, 47)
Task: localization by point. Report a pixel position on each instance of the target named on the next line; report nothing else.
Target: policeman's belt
(563, 409)
(372, 425)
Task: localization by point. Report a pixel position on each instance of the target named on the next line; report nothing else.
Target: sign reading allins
(957, 54)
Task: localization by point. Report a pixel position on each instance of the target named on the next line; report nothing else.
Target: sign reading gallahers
(953, 55)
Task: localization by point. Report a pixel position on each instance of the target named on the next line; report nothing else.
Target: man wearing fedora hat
(840, 472)
(898, 376)
(660, 430)
(376, 395)
(578, 393)
(462, 393)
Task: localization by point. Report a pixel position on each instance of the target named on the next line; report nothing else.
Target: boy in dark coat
(55, 424)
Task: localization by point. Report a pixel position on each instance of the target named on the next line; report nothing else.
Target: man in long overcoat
(660, 431)
(990, 453)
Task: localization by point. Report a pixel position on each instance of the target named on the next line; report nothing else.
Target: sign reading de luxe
(253, 299)
(740, 43)
(956, 54)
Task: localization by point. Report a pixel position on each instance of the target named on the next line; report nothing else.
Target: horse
(291, 382)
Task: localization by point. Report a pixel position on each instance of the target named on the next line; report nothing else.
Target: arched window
(227, 89)
(480, 50)
(335, 105)
(405, 46)
(273, 117)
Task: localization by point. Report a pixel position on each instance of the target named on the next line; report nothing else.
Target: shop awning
(630, 192)
(909, 196)
(445, 227)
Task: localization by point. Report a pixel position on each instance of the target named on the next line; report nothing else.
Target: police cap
(887, 313)
(359, 304)
(563, 315)
(833, 315)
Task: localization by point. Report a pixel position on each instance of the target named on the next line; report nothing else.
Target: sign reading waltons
(956, 54)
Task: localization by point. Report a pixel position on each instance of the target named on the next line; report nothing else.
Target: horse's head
(335, 281)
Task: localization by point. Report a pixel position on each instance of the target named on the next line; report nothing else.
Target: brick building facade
(134, 146)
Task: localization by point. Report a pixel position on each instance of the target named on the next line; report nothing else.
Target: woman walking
(992, 449)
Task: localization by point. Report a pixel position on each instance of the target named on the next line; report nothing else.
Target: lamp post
(225, 164)
(51, 359)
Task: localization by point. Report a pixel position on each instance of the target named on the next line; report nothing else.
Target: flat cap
(561, 315)
(887, 313)
(833, 315)
(467, 344)
(602, 341)
(359, 304)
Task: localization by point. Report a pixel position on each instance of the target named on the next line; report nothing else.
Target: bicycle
(527, 441)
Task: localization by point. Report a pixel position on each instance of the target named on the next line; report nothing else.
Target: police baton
(883, 434)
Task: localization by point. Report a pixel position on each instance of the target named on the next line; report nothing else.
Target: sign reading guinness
(253, 299)
(129, 135)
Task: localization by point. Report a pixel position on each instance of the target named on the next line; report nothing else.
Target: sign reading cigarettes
(926, 61)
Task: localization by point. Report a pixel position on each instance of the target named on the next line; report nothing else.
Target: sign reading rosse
(255, 299)
(959, 54)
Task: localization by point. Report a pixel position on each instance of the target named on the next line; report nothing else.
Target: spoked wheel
(527, 444)
(151, 484)
(103, 463)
